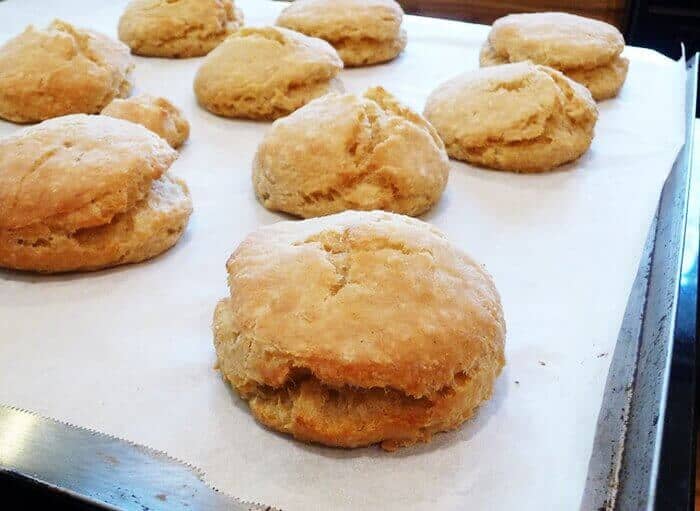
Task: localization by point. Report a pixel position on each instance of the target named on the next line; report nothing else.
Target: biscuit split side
(155, 113)
(336, 372)
(344, 151)
(364, 32)
(86, 192)
(517, 117)
(265, 73)
(61, 70)
(588, 51)
(605, 81)
(182, 29)
(364, 51)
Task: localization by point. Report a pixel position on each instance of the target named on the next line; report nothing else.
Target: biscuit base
(366, 52)
(151, 227)
(265, 107)
(559, 144)
(312, 411)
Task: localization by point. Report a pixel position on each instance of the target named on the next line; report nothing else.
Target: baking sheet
(129, 352)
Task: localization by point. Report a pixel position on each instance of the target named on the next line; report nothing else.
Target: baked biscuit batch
(355, 326)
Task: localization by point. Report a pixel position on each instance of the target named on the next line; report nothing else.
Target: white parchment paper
(129, 351)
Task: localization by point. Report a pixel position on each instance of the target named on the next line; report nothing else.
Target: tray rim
(629, 469)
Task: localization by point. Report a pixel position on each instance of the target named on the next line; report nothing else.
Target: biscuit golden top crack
(60, 70)
(506, 104)
(77, 171)
(360, 299)
(351, 152)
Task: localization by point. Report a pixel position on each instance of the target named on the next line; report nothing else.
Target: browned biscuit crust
(364, 32)
(351, 152)
(182, 29)
(85, 192)
(359, 328)
(61, 70)
(517, 117)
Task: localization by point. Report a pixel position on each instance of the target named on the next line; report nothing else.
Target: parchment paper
(129, 351)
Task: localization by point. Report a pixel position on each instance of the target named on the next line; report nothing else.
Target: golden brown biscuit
(359, 328)
(586, 50)
(84, 192)
(518, 117)
(177, 29)
(266, 73)
(363, 31)
(155, 113)
(344, 151)
(61, 70)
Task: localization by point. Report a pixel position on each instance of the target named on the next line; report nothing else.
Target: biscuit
(84, 192)
(359, 328)
(364, 32)
(61, 70)
(518, 117)
(266, 73)
(586, 50)
(180, 29)
(157, 114)
(344, 151)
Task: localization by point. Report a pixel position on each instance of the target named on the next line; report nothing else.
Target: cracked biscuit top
(177, 28)
(265, 73)
(344, 151)
(519, 117)
(86, 192)
(365, 299)
(77, 171)
(359, 328)
(555, 39)
(61, 70)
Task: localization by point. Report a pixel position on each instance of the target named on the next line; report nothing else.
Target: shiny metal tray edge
(631, 455)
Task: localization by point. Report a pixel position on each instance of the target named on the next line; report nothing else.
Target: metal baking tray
(644, 448)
